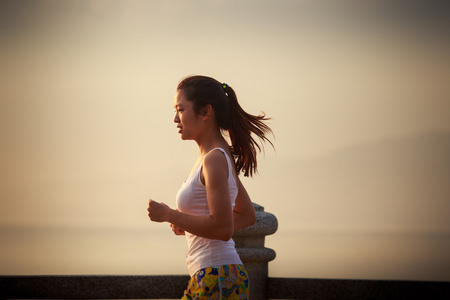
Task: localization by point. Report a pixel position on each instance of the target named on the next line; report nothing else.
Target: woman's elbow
(225, 234)
(226, 237)
(252, 219)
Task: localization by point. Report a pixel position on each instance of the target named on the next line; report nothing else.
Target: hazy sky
(358, 94)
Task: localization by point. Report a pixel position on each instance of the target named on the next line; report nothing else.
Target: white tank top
(191, 199)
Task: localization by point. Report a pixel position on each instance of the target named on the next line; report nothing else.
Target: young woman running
(212, 203)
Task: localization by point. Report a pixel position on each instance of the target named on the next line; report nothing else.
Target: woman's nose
(176, 119)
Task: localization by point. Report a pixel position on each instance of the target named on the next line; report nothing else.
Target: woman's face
(187, 120)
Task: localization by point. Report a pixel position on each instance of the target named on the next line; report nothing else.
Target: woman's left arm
(243, 212)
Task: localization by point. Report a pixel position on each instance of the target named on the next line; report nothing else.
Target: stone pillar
(250, 246)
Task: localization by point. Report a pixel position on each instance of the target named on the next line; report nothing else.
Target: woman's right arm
(243, 211)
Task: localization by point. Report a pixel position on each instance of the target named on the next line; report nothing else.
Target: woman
(212, 203)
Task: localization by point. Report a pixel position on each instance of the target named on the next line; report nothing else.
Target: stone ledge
(92, 287)
(262, 255)
(266, 224)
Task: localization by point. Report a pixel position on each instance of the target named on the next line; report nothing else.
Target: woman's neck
(211, 142)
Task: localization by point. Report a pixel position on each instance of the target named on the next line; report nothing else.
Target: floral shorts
(223, 282)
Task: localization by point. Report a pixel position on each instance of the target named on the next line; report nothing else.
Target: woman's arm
(243, 212)
(219, 224)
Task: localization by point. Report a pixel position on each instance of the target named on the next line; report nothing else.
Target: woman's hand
(158, 212)
(177, 230)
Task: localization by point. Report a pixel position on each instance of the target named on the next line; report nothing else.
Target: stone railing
(250, 246)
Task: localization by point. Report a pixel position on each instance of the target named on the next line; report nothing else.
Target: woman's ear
(207, 111)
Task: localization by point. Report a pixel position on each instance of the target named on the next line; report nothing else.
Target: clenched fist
(158, 212)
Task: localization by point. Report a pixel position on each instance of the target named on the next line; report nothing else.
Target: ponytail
(242, 125)
(230, 116)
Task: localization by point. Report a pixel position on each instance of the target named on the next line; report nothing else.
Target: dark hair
(202, 90)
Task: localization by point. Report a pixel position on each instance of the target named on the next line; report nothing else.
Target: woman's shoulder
(216, 155)
(216, 159)
(214, 165)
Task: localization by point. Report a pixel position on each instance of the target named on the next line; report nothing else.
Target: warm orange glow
(360, 110)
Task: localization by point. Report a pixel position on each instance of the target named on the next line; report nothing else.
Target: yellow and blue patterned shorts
(223, 282)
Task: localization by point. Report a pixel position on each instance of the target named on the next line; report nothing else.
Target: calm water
(141, 251)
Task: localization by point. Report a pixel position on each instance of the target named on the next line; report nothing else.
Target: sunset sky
(357, 91)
